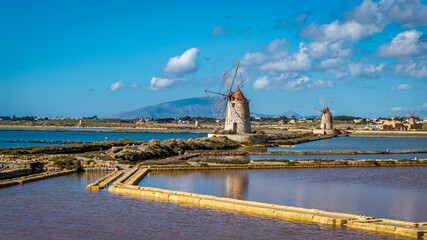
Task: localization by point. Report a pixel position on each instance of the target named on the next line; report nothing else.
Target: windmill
(233, 105)
(326, 114)
(412, 117)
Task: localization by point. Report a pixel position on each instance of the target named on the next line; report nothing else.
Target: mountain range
(202, 107)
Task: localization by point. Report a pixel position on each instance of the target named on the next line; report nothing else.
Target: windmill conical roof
(238, 95)
(326, 110)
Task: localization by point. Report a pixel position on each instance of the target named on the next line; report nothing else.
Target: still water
(398, 193)
(60, 208)
(24, 136)
(104, 129)
(360, 144)
(334, 157)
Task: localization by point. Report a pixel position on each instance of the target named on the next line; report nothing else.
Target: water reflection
(236, 185)
(397, 193)
(60, 208)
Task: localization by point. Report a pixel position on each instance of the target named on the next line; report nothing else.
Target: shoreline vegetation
(5, 127)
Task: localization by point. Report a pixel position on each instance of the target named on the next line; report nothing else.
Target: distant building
(393, 125)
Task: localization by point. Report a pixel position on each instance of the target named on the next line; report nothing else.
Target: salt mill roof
(238, 95)
(326, 110)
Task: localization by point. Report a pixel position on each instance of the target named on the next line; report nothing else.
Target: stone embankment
(406, 229)
(123, 179)
(242, 153)
(294, 165)
(104, 181)
(15, 173)
(33, 177)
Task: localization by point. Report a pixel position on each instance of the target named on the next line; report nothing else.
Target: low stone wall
(100, 169)
(137, 176)
(104, 181)
(294, 165)
(123, 179)
(33, 177)
(15, 173)
(406, 229)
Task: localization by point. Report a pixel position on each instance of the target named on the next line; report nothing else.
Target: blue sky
(80, 58)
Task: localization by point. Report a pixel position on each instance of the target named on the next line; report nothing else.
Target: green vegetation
(155, 149)
(72, 148)
(68, 163)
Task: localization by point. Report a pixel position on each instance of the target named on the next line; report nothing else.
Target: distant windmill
(233, 104)
(412, 117)
(326, 114)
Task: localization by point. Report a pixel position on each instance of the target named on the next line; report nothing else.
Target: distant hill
(193, 107)
(289, 114)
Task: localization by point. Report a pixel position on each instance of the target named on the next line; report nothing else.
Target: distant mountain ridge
(193, 107)
(202, 107)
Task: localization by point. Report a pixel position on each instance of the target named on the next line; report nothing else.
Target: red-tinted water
(60, 208)
(398, 193)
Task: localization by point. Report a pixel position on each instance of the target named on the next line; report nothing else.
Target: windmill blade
(207, 91)
(219, 102)
(330, 101)
(234, 77)
(225, 80)
(315, 109)
(242, 83)
(321, 102)
(333, 112)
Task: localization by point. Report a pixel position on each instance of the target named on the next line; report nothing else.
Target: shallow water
(334, 157)
(10, 135)
(60, 208)
(397, 193)
(360, 144)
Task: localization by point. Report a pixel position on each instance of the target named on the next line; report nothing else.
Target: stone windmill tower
(412, 118)
(237, 117)
(234, 105)
(326, 115)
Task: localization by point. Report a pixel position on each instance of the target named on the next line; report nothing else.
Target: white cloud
(404, 44)
(327, 49)
(330, 63)
(274, 45)
(396, 109)
(134, 85)
(299, 61)
(254, 59)
(409, 13)
(368, 19)
(401, 87)
(413, 68)
(336, 30)
(160, 83)
(261, 83)
(184, 64)
(290, 82)
(362, 70)
(115, 86)
(218, 30)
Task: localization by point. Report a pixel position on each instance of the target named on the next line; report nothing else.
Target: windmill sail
(234, 105)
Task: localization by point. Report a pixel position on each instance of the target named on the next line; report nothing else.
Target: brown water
(398, 193)
(60, 208)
